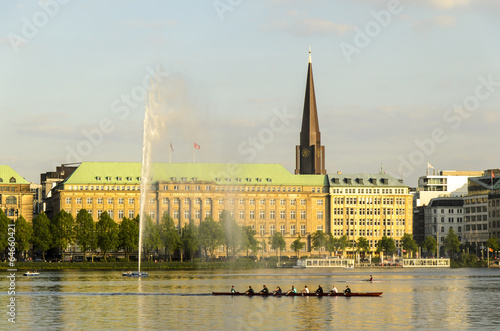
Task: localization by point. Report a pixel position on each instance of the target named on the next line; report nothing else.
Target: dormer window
(12, 180)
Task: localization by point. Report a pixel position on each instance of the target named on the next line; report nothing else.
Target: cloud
(435, 22)
(448, 4)
(308, 26)
(151, 24)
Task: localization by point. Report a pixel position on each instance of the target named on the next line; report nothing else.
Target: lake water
(450, 299)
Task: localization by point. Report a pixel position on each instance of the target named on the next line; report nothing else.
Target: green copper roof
(373, 180)
(7, 173)
(123, 173)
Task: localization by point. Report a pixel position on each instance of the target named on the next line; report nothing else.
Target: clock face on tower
(305, 152)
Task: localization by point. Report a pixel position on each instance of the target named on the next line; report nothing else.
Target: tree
(232, 232)
(409, 245)
(128, 235)
(319, 239)
(211, 236)
(451, 242)
(107, 234)
(430, 245)
(189, 239)
(343, 243)
(363, 245)
(85, 232)
(42, 238)
(297, 245)
(278, 243)
(493, 243)
(248, 240)
(24, 232)
(151, 239)
(62, 229)
(169, 235)
(386, 245)
(4, 235)
(332, 244)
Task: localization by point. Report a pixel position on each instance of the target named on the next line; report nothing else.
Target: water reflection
(427, 299)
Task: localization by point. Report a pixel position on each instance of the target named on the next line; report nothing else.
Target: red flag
(196, 146)
(492, 174)
(171, 147)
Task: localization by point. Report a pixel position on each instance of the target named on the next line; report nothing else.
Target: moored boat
(135, 274)
(31, 274)
(353, 294)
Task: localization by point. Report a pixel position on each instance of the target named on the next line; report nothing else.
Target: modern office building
(16, 198)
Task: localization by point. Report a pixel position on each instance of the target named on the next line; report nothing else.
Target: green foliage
(248, 240)
(430, 245)
(297, 245)
(363, 245)
(107, 234)
(169, 235)
(451, 242)
(24, 232)
(408, 243)
(386, 245)
(493, 243)
(4, 236)
(62, 229)
(42, 238)
(128, 235)
(189, 238)
(85, 234)
(151, 239)
(343, 243)
(232, 232)
(319, 239)
(277, 242)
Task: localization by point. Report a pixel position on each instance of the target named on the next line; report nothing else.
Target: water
(447, 299)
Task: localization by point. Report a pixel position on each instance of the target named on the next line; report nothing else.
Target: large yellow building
(16, 198)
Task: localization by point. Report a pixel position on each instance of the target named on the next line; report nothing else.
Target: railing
(426, 263)
(325, 263)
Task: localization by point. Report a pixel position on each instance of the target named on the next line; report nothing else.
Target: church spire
(310, 158)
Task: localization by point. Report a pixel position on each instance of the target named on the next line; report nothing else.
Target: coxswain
(319, 290)
(232, 289)
(250, 290)
(347, 290)
(264, 290)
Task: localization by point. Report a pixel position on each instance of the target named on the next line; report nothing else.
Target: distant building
(49, 180)
(16, 198)
(370, 206)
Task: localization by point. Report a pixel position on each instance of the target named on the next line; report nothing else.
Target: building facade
(16, 198)
(370, 206)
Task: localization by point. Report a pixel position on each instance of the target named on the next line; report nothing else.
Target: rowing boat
(353, 294)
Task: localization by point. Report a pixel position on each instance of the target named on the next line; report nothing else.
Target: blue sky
(230, 68)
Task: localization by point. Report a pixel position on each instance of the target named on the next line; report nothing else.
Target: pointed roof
(309, 133)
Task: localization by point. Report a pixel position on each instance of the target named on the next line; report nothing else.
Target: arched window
(442, 219)
(442, 229)
(11, 200)
(1, 180)
(12, 180)
(459, 230)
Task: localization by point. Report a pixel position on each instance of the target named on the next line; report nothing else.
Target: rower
(293, 290)
(278, 290)
(347, 290)
(264, 290)
(334, 290)
(232, 289)
(250, 290)
(305, 290)
(319, 290)
(371, 278)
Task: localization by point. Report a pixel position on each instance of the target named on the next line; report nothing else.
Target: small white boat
(31, 274)
(135, 274)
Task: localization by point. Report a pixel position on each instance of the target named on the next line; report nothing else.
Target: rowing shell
(353, 294)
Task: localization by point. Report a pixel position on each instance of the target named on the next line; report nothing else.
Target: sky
(399, 84)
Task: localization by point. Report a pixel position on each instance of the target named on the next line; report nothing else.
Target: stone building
(16, 198)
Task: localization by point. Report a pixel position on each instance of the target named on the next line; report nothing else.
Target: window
(319, 215)
(221, 201)
(272, 202)
(282, 214)
(78, 201)
(186, 214)
(197, 214)
(261, 229)
(319, 202)
(176, 214)
(9, 200)
(99, 201)
(207, 201)
(302, 214)
(110, 201)
(303, 202)
(99, 213)
(271, 229)
(252, 201)
(319, 228)
(242, 214)
(89, 201)
(272, 214)
(262, 214)
(110, 213)
(282, 202)
(302, 229)
(252, 214)
(186, 201)
(293, 202)
(262, 202)
(242, 201)
(130, 214)
(292, 214)
(282, 229)
(292, 229)
(120, 214)
(152, 214)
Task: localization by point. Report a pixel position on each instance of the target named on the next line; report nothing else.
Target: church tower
(310, 155)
